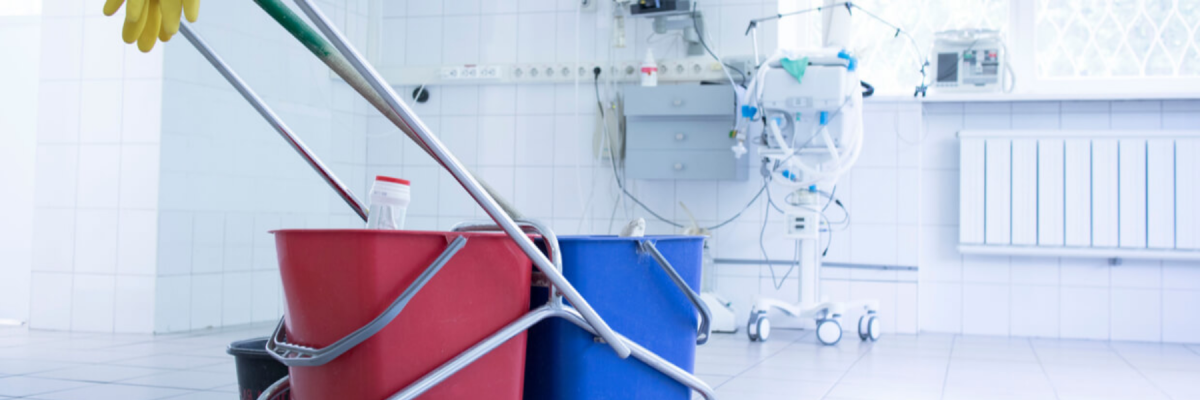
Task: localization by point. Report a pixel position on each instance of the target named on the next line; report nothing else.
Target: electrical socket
(804, 225)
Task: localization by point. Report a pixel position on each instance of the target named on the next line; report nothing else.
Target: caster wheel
(873, 328)
(829, 332)
(868, 327)
(752, 327)
(763, 328)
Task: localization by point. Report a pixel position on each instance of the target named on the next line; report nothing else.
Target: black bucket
(256, 370)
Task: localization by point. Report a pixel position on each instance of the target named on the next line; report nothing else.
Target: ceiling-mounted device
(970, 60)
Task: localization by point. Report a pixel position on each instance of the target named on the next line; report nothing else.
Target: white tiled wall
(95, 198)
(1048, 297)
(156, 183)
(156, 220)
(227, 178)
(18, 145)
(533, 143)
(903, 194)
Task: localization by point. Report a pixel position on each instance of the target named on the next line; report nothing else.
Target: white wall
(18, 144)
(156, 183)
(96, 180)
(227, 176)
(533, 141)
(1049, 297)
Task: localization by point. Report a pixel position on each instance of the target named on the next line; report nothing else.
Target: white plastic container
(649, 70)
(389, 203)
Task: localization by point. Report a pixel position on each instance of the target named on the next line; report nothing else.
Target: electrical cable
(763, 247)
(634, 199)
(1008, 68)
(827, 244)
(702, 34)
(620, 181)
(832, 193)
(777, 283)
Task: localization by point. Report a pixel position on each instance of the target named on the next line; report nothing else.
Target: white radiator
(1111, 194)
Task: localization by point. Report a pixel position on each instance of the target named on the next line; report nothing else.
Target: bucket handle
(703, 332)
(294, 355)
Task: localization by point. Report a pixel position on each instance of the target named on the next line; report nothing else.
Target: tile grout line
(1042, 367)
(751, 366)
(949, 360)
(1139, 370)
(848, 369)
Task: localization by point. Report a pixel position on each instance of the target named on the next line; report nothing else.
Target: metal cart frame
(579, 312)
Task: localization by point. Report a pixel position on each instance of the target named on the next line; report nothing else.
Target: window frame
(1022, 35)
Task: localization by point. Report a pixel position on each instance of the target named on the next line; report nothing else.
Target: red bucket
(335, 281)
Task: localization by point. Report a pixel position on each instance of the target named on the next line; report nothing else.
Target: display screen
(947, 64)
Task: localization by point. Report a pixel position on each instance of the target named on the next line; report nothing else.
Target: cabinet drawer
(710, 133)
(689, 164)
(679, 100)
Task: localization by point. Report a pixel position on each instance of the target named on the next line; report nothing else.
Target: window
(888, 62)
(1063, 48)
(1117, 38)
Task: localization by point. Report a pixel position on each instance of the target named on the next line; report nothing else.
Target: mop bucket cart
(332, 47)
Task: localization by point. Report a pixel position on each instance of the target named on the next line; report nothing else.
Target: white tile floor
(792, 366)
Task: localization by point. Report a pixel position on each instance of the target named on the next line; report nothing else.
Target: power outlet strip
(692, 69)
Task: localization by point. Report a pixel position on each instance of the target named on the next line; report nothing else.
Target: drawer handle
(677, 102)
(679, 166)
(679, 137)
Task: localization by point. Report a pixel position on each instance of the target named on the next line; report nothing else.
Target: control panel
(973, 67)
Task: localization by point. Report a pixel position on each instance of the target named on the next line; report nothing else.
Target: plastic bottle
(389, 203)
(649, 70)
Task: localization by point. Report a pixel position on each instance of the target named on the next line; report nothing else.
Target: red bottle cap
(392, 180)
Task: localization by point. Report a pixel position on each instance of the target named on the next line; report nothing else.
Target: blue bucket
(638, 299)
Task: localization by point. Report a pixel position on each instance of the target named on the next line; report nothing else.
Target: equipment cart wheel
(829, 331)
(868, 327)
(759, 327)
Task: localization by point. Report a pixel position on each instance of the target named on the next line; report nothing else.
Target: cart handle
(705, 329)
(527, 225)
(294, 355)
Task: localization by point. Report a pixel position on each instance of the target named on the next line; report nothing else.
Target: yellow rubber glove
(147, 21)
